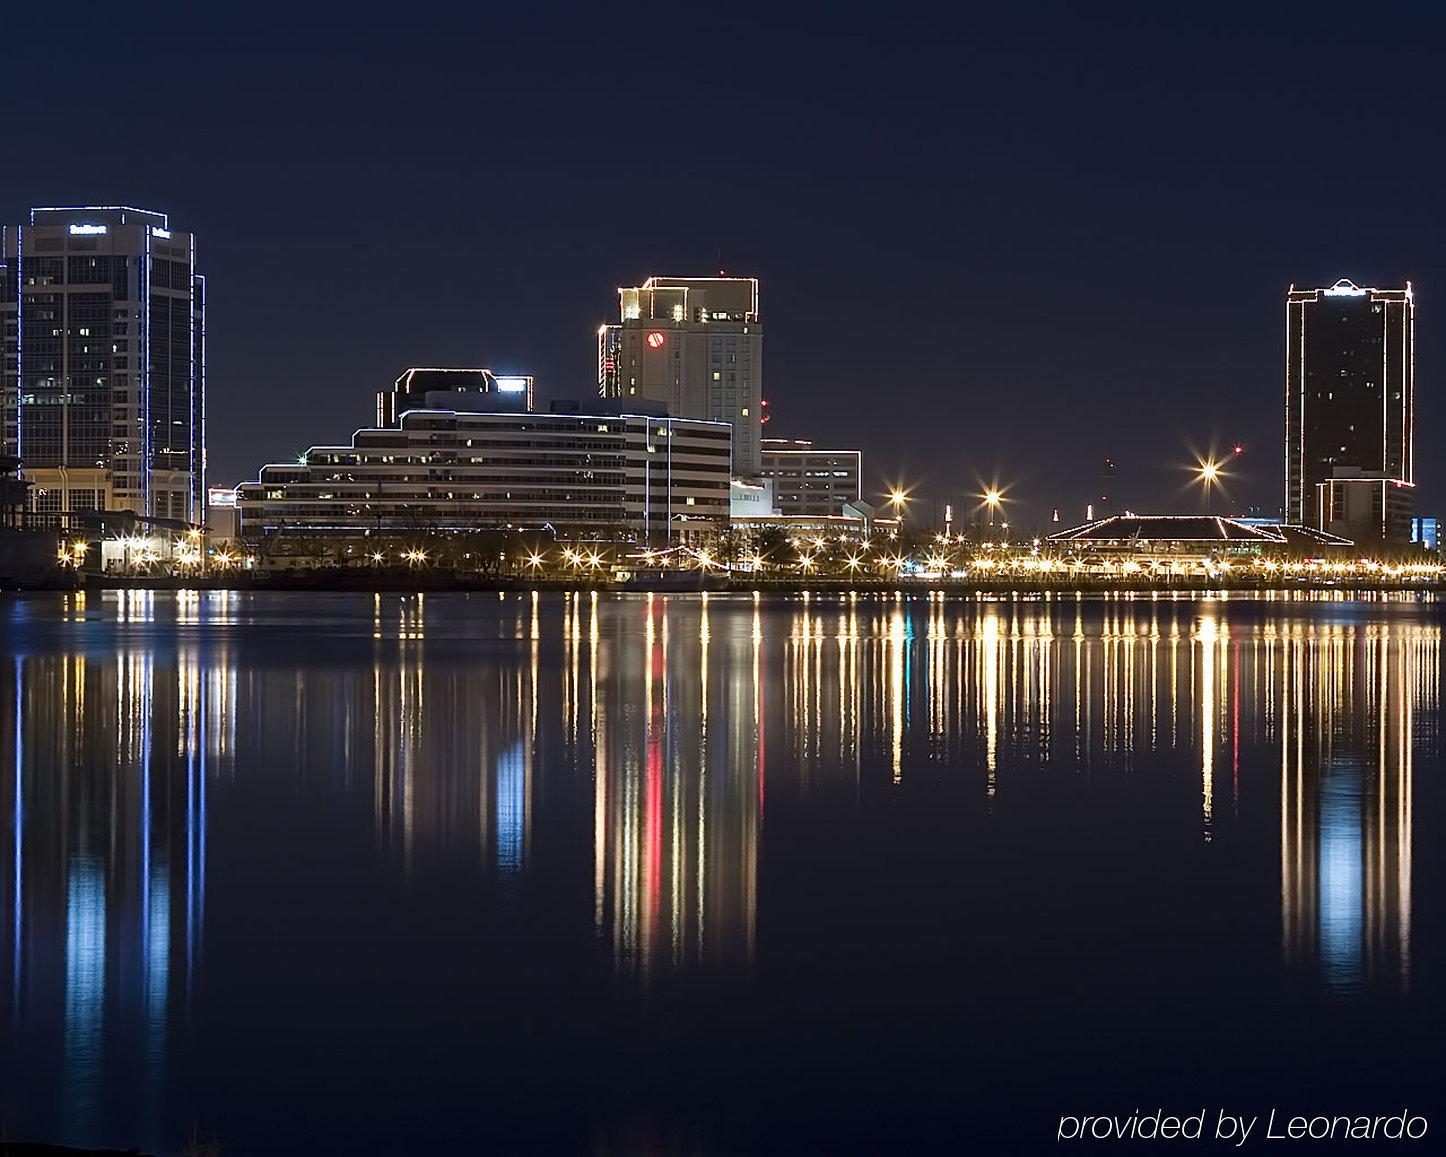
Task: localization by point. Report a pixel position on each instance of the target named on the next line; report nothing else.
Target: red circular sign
(656, 340)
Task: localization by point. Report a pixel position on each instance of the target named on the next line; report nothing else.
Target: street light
(1209, 474)
(898, 499)
(993, 499)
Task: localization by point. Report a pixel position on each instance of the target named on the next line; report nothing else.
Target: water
(356, 874)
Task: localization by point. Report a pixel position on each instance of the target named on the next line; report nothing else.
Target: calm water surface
(362, 874)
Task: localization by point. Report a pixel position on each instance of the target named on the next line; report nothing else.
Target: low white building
(633, 476)
(751, 499)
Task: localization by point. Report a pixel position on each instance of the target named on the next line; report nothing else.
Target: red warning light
(656, 340)
(1239, 449)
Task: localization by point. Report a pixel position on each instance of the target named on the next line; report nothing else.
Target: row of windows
(553, 444)
(581, 462)
(463, 425)
(164, 504)
(271, 476)
(261, 522)
(48, 501)
(292, 491)
(437, 505)
(262, 502)
(706, 443)
(170, 274)
(467, 478)
(819, 487)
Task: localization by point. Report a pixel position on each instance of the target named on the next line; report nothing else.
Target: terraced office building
(632, 476)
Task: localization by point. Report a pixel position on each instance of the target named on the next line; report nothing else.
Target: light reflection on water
(476, 729)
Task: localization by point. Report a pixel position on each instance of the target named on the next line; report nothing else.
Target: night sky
(991, 248)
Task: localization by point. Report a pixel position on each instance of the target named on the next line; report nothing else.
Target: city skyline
(1035, 287)
(659, 356)
(460, 692)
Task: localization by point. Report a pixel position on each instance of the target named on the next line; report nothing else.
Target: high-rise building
(694, 344)
(1349, 411)
(104, 365)
(811, 480)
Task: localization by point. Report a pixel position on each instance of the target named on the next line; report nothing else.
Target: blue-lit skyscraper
(104, 366)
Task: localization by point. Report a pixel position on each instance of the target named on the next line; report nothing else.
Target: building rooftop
(718, 298)
(1345, 287)
(1192, 528)
(60, 214)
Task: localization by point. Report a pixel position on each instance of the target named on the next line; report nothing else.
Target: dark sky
(992, 247)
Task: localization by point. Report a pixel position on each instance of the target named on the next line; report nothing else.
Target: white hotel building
(635, 476)
(695, 346)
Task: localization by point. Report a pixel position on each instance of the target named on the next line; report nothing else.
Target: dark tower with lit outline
(1350, 410)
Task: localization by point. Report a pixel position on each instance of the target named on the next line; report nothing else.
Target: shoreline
(688, 583)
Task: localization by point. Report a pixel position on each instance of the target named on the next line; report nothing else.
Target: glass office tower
(104, 365)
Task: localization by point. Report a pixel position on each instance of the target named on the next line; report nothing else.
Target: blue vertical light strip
(85, 920)
(1340, 875)
(157, 995)
(200, 867)
(511, 809)
(908, 665)
(158, 967)
(18, 825)
(145, 817)
(192, 731)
